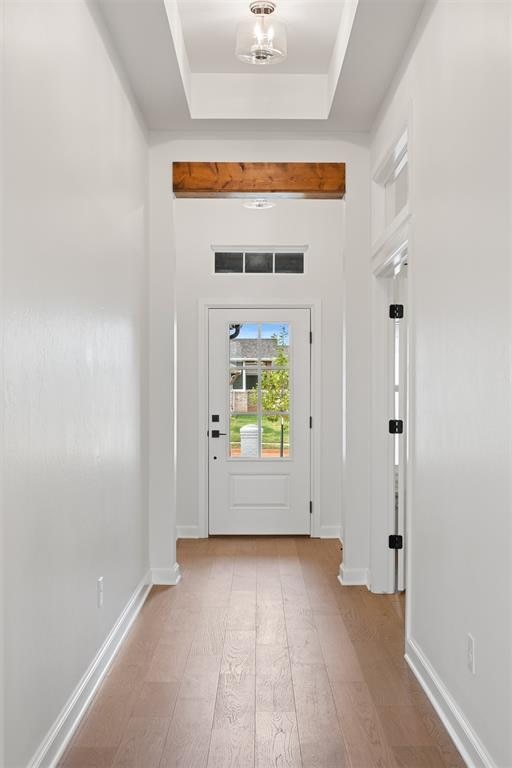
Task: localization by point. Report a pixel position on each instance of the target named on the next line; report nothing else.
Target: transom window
(259, 262)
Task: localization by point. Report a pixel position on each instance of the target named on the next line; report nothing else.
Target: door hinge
(311, 422)
(311, 337)
(310, 507)
(396, 427)
(396, 311)
(396, 542)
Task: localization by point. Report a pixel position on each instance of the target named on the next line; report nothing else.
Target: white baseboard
(353, 577)
(465, 739)
(166, 576)
(330, 532)
(58, 737)
(188, 532)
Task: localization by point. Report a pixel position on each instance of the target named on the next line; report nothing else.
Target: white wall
(74, 284)
(353, 392)
(455, 93)
(162, 373)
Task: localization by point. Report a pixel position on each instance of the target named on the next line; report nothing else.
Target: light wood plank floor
(260, 659)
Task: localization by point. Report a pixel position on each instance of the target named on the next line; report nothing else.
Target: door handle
(216, 433)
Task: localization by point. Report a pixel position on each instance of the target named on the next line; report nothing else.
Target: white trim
(188, 532)
(353, 577)
(382, 560)
(331, 532)
(464, 737)
(411, 382)
(168, 577)
(53, 745)
(393, 161)
(382, 495)
(386, 250)
(315, 307)
(391, 249)
(260, 248)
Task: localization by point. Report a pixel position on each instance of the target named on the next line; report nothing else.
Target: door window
(259, 390)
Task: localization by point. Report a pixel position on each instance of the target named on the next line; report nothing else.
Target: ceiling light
(262, 40)
(260, 204)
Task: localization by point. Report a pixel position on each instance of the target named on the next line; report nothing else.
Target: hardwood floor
(260, 659)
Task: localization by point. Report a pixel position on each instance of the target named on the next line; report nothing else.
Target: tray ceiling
(173, 97)
(209, 30)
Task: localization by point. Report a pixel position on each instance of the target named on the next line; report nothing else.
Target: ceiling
(160, 64)
(209, 29)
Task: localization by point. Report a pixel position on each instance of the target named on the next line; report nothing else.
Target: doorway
(390, 423)
(400, 364)
(259, 421)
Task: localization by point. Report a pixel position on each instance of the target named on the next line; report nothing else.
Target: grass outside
(271, 430)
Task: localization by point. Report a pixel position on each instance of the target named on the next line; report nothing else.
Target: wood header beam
(322, 181)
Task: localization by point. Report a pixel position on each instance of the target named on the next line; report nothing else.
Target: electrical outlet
(471, 661)
(99, 592)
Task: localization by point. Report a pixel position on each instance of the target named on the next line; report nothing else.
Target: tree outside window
(275, 386)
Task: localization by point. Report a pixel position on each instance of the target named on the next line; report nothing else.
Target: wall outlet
(99, 592)
(471, 661)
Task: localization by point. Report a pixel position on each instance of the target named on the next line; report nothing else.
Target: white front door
(259, 421)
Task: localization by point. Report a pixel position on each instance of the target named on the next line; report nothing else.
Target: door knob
(216, 433)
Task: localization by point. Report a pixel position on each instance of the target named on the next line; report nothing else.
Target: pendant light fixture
(261, 40)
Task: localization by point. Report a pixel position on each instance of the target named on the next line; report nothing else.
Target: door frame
(382, 560)
(314, 306)
(402, 236)
(386, 250)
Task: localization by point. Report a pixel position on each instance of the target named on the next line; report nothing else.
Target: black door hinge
(396, 542)
(396, 311)
(311, 422)
(310, 507)
(311, 337)
(396, 427)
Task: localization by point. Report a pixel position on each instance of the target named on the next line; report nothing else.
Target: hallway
(260, 658)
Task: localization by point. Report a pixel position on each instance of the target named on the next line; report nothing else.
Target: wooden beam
(324, 181)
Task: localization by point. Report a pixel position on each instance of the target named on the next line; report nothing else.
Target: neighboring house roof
(251, 349)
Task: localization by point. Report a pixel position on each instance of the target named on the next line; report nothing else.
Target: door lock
(216, 433)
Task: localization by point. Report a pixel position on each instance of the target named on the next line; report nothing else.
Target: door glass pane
(275, 390)
(226, 263)
(275, 435)
(259, 390)
(245, 398)
(237, 374)
(258, 262)
(275, 342)
(289, 263)
(245, 435)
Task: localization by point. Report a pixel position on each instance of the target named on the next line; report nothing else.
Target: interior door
(259, 421)
(400, 376)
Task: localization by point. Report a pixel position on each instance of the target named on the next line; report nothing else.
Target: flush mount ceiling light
(262, 40)
(260, 204)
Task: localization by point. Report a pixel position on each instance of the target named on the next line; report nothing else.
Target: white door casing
(259, 465)
(390, 400)
(400, 377)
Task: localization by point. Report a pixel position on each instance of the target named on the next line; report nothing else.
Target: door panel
(259, 409)
(401, 400)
